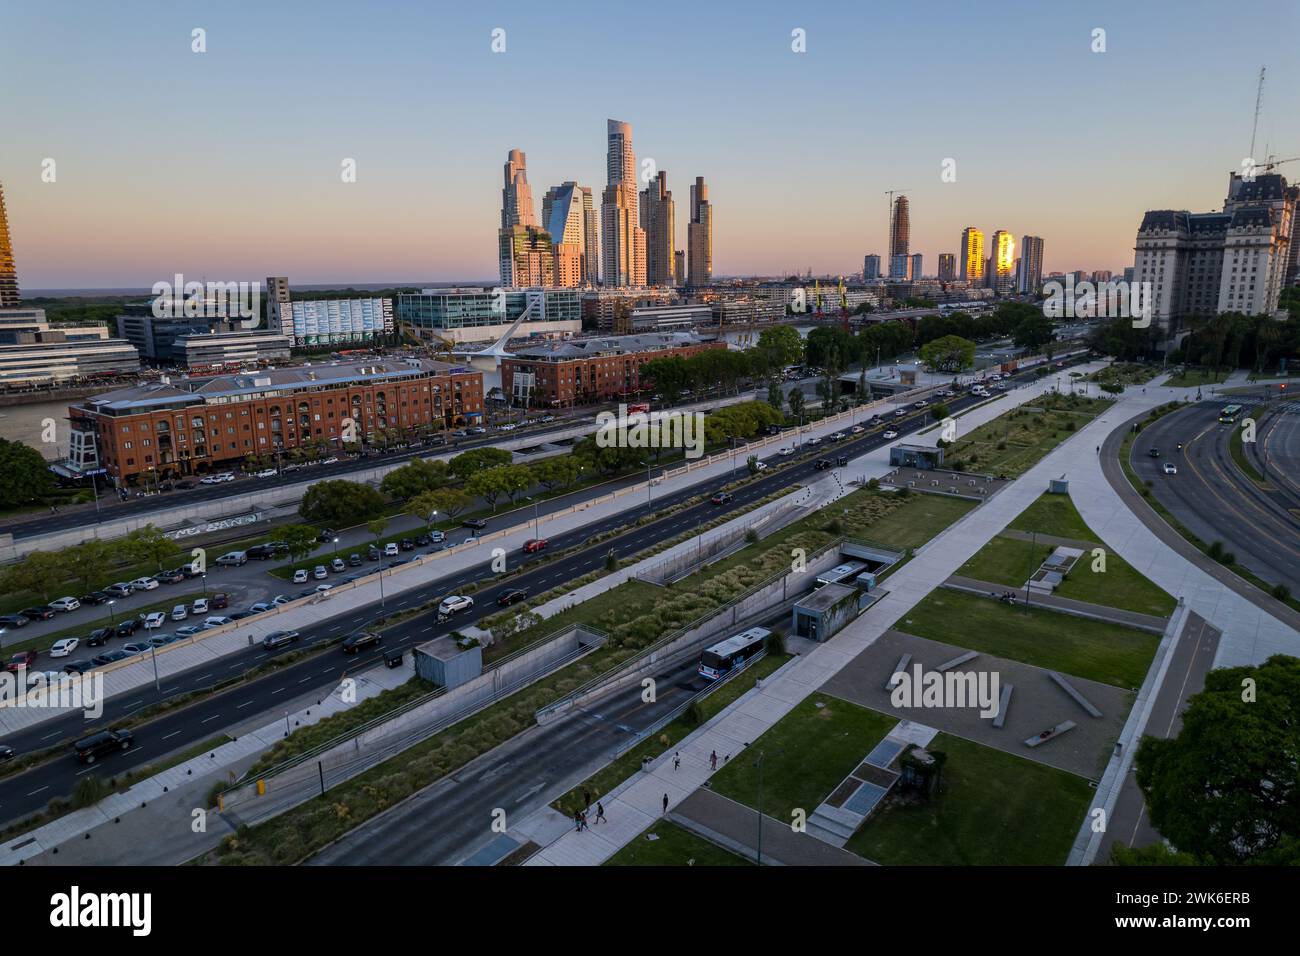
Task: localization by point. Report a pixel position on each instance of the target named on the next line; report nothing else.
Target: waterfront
(25, 423)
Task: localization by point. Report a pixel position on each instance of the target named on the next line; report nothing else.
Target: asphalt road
(1212, 497)
(28, 792)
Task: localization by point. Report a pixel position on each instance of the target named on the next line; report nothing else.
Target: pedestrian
(665, 803)
(713, 760)
(583, 819)
(600, 812)
(1099, 449)
(677, 760)
(586, 800)
(577, 820)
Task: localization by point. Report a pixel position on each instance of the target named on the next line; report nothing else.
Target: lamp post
(336, 546)
(112, 618)
(153, 652)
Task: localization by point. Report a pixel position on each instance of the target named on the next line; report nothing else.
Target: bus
(1229, 414)
(842, 572)
(725, 656)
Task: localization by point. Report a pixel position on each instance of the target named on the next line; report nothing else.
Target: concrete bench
(1078, 698)
(1004, 702)
(901, 666)
(957, 661)
(1050, 734)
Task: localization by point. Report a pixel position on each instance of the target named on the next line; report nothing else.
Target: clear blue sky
(226, 164)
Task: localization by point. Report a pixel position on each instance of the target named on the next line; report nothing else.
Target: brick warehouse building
(174, 428)
(590, 370)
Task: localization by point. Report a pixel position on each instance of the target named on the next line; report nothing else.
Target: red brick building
(174, 428)
(585, 371)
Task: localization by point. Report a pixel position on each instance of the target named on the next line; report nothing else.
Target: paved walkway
(1099, 612)
(1051, 539)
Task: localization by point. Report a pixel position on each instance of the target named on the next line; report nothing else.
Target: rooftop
(609, 345)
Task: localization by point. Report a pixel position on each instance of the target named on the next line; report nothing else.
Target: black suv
(360, 641)
(261, 552)
(99, 636)
(90, 748)
(406, 544)
(821, 464)
(128, 626)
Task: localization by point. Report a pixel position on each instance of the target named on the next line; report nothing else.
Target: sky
(227, 164)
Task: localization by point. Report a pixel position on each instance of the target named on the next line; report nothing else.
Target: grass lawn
(1126, 373)
(1095, 650)
(610, 776)
(1055, 515)
(1014, 442)
(808, 752)
(920, 519)
(674, 846)
(1196, 376)
(992, 809)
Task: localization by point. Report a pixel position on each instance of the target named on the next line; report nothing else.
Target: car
(119, 590)
(300, 576)
(460, 433)
(265, 473)
(323, 588)
(240, 615)
(154, 620)
(533, 545)
(814, 441)
(261, 552)
(821, 464)
(354, 560)
(174, 576)
(391, 549)
(233, 559)
(455, 603)
(478, 524)
(189, 630)
(326, 535)
(220, 600)
(355, 643)
(78, 667)
(319, 572)
(512, 596)
(331, 460)
(137, 647)
(14, 620)
(96, 597)
(722, 498)
(1000, 387)
(760, 466)
(199, 606)
(40, 612)
(261, 607)
(190, 570)
(180, 612)
(109, 657)
(407, 544)
(89, 749)
(162, 640)
(1171, 468)
(225, 476)
(64, 647)
(838, 436)
(280, 600)
(478, 430)
(99, 636)
(921, 404)
(900, 413)
(1154, 453)
(373, 553)
(434, 440)
(857, 429)
(208, 480)
(279, 639)
(7, 753)
(144, 584)
(23, 659)
(128, 626)
(216, 621)
(786, 452)
(890, 434)
(437, 537)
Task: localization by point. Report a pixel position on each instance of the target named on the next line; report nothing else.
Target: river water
(25, 423)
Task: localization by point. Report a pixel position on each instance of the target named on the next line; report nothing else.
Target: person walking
(583, 819)
(677, 760)
(577, 820)
(665, 803)
(713, 760)
(600, 812)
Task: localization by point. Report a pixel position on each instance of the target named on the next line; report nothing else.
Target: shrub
(89, 790)
(751, 536)
(1215, 550)
(1281, 592)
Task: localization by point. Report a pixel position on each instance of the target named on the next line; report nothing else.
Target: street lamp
(203, 578)
(111, 616)
(336, 546)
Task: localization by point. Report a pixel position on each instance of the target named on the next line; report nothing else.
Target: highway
(29, 791)
(1212, 497)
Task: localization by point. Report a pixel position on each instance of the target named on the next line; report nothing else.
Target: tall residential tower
(9, 294)
(699, 235)
(971, 262)
(623, 246)
(658, 218)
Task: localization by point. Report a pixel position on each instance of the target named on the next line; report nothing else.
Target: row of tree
(88, 566)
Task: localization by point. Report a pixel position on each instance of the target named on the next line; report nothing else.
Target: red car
(20, 660)
(219, 600)
(533, 545)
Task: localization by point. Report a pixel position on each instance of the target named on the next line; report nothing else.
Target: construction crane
(1259, 102)
(1276, 162)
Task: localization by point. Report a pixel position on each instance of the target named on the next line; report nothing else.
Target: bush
(1215, 550)
(959, 465)
(1281, 592)
(834, 527)
(694, 714)
(751, 536)
(904, 492)
(1002, 446)
(874, 484)
(89, 790)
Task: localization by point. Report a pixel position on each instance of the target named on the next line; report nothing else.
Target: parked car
(455, 603)
(391, 550)
(128, 626)
(89, 749)
(109, 657)
(119, 590)
(373, 553)
(144, 584)
(300, 576)
(199, 606)
(723, 498)
(533, 545)
(7, 753)
(407, 544)
(261, 552)
(217, 621)
(337, 565)
(355, 643)
(265, 473)
(319, 572)
(814, 440)
(189, 630)
(280, 600)
(99, 636)
(422, 540)
(512, 596)
(64, 647)
(162, 640)
(14, 620)
(174, 576)
(40, 612)
(233, 559)
(137, 647)
(78, 667)
(279, 639)
(180, 612)
(354, 560)
(437, 537)
(478, 524)
(261, 607)
(20, 660)
(326, 535)
(156, 619)
(322, 588)
(95, 597)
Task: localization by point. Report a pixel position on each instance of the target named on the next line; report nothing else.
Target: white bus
(841, 572)
(725, 656)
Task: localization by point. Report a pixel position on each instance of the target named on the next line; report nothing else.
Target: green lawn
(674, 846)
(992, 809)
(807, 753)
(1198, 376)
(922, 518)
(1055, 515)
(1014, 442)
(1094, 650)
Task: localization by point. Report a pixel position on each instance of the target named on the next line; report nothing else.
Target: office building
(915, 270)
(569, 218)
(623, 241)
(678, 317)
(527, 257)
(516, 194)
(870, 268)
(679, 266)
(33, 353)
(900, 267)
(947, 267)
(215, 349)
(658, 219)
(610, 310)
(699, 235)
(972, 255)
(458, 316)
(184, 426)
(900, 229)
(171, 338)
(9, 293)
(1002, 261)
(1031, 265)
(329, 321)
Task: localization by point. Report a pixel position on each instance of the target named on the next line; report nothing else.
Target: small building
(448, 663)
(824, 612)
(916, 456)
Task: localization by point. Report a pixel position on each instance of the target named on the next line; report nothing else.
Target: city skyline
(266, 195)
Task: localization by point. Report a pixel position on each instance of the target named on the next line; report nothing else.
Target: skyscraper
(9, 294)
(658, 219)
(1002, 261)
(699, 235)
(623, 251)
(915, 272)
(947, 267)
(567, 215)
(591, 254)
(900, 229)
(972, 255)
(527, 257)
(900, 267)
(870, 268)
(679, 266)
(517, 195)
(1031, 264)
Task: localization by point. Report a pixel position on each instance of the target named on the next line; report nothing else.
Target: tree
(340, 503)
(90, 562)
(948, 354)
(149, 544)
(39, 572)
(377, 527)
(447, 501)
(27, 477)
(1033, 331)
(414, 478)
(300, 539)
(489, 485)
(1225, 789)
(425, 506)
(752, 464)
(940, 411)
(775, 397)
(478, 459)
(559, 471)
(782, 345)
(797, 402)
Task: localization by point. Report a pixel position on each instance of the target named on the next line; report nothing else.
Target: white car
(319, 572)
(217, 621)
(180, 612)
(322, 588)
(300, 576)
(65, 604)
(208, 480)
(155, 619)
(437, 537)
(121, 589)
(390, 550)
(454, 603)
(265, 473)
(144, 584)
(857, 429)
(226, 476)
(786, 452)
(1171, 468)
(891, 434)
(280, 600)
(199, 606)
(760, 466)
(332, 460)
(64, 647)
(814, 441)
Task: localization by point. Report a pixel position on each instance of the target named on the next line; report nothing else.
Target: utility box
(446, 663)
(1058, 486)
